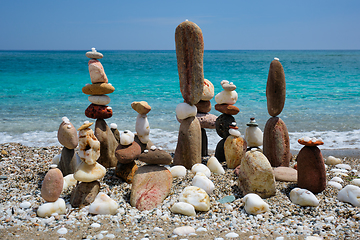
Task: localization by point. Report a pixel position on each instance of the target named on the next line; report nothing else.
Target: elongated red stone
(275, 89)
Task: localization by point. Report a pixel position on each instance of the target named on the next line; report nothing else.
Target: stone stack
(189, 51)
(99, 110)
(232, 147)
(276, 137)
(253, 135)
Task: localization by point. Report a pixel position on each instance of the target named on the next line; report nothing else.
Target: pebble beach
(23, 169)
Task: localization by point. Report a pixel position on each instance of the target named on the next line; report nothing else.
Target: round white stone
(113, 126)
(234, 132)
(337, 179)
(62, 231)
(334, 184)
(103, 204)
(254, 204)
(126, 137)
(253, 136)
(25, 204)
(183, 208)
(185, 230)
(350, 194)
(46, 209)
(199, 167)
(343, 166)
(178, 171)
(89, 173)
(200, 180)
(226, 97)
(215, 166)
(196, 197)
(99, 99)
(142, 128)
(232, 235)
(332, 160)
(303, 197)
(56, 159)
(69, 181)
(185, 110)
(356, 182)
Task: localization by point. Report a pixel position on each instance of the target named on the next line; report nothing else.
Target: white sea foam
(168, 139)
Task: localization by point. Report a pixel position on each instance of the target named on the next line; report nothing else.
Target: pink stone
(52, 185)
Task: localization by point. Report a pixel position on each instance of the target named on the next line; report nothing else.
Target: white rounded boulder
(303, 197)
(185, 110)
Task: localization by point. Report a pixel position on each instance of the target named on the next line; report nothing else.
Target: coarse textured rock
(142, 128)
(103, 205)
(234, 150)
(203, 106)
(151, 185)
(67, 135)
(89, 146)
(256, 175)
(303, 197)
(69, 161)
(49, 208)
(204, 143)
(52, 185)
(189, 45)
(126, 171)
(208, 91)
(227, 109)
(141, 107)
(99, 99)
(275, 88)
(108, 144)
(156, 156)
(84, 194)
(311, 169)
(98, 111)
(276, 145)
(196, 197)
(222, 125)
(188, 149)
(89, 173)
(285, 174)
(219, 150)
(98, 89)
(206, 120)
(254, 204)
(97, 73)
(129, 153)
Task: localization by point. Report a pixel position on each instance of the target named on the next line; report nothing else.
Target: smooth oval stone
(285, 174)
(67, 135)
(52, 185)
(222, 124)
(94, 54)
(129, 153)
(331, 160)
(276, 142)
(142, 128)
(97, 73)
(303, 197)
(69, 181)
(199, 167)
(188, 148)
(184, 230)
(184, 110)
(183, 208)
(108, 144)
(256, 175)
(127, 137)
(98, 111)
(89, 146)
(156, 156)
(253, 136)
(178, 171)
(126, 171)
(141, 107)
(275, 89)
(103, 205)
(234, 150)
(334, 184)
(355, 182)
(99, 99)
(208, 91)
(196, 197)
(69, 161)
(311, 169)
(226, 97)
(203, 106)
(189, 45)
(84, 194)
(98, 89)
(227, 109)
(219, 150)
(350, 194)
(254, 204)
(89, 173)
(151, 185)
(200, 180)
(214, 165)
(46, 209)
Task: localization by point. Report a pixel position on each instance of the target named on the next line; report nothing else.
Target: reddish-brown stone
(52, 185)
(203, 106)
(98, 111)
(129, 153)
(275, 88)
(126, 171)
(311, 169)
(276, 146)
(189, 45)
(227, 109)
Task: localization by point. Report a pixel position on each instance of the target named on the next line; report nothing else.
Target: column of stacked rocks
(253, 134)
(232, 147)
(310, 165)
(189, 52)
(99, 110)
(276, 137)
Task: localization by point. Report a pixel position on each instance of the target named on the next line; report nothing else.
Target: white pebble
(62, 231)
(234, 132)
(183, 208)
(126, 137)
(185, 230)
(215, 166)
(334, 184)
(196, 197)
(200, 180)
(110, 235)
(157, 229)
(113, 126)
(350, 194)
(201, 229)
(95, 225)
(56, 159)
(337, 179)
(332, 160)
(254, 204)
(185, 110)
(69, 181)
(356, 182)
(199, 167)
(52, 166)
(303, 197)
(178, 171)
(46, 209)
(103, 204)
(343, 166)
(25, 204)
(232, 235)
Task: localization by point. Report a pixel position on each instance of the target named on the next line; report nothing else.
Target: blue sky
(150, 25)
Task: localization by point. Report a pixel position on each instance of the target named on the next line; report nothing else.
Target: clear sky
(150, 25)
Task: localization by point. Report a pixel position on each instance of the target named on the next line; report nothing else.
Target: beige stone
(141, 107)
(234, 149)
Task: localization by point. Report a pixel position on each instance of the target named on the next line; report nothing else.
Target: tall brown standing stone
(275, 89)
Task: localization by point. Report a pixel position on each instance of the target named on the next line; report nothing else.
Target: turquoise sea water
(38, 88)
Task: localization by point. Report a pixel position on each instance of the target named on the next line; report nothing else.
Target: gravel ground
(22, 170)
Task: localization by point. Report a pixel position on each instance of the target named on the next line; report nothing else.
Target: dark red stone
(98, 111)
(129, 153)
(203, 106)
(275, 88)
(227, 109)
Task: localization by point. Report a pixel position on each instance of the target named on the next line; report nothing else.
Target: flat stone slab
(285, 174)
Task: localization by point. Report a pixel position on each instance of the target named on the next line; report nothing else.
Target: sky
(150, 25)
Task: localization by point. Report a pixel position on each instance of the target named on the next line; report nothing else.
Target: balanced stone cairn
(189, 51)
(276, 137)
(253, 134)
(232, 147)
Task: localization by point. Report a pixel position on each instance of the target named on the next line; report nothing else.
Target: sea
(38, 88)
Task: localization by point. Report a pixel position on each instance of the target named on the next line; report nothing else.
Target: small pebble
(62, 231)
(232, 235)
(25, 204)
(95, 225)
